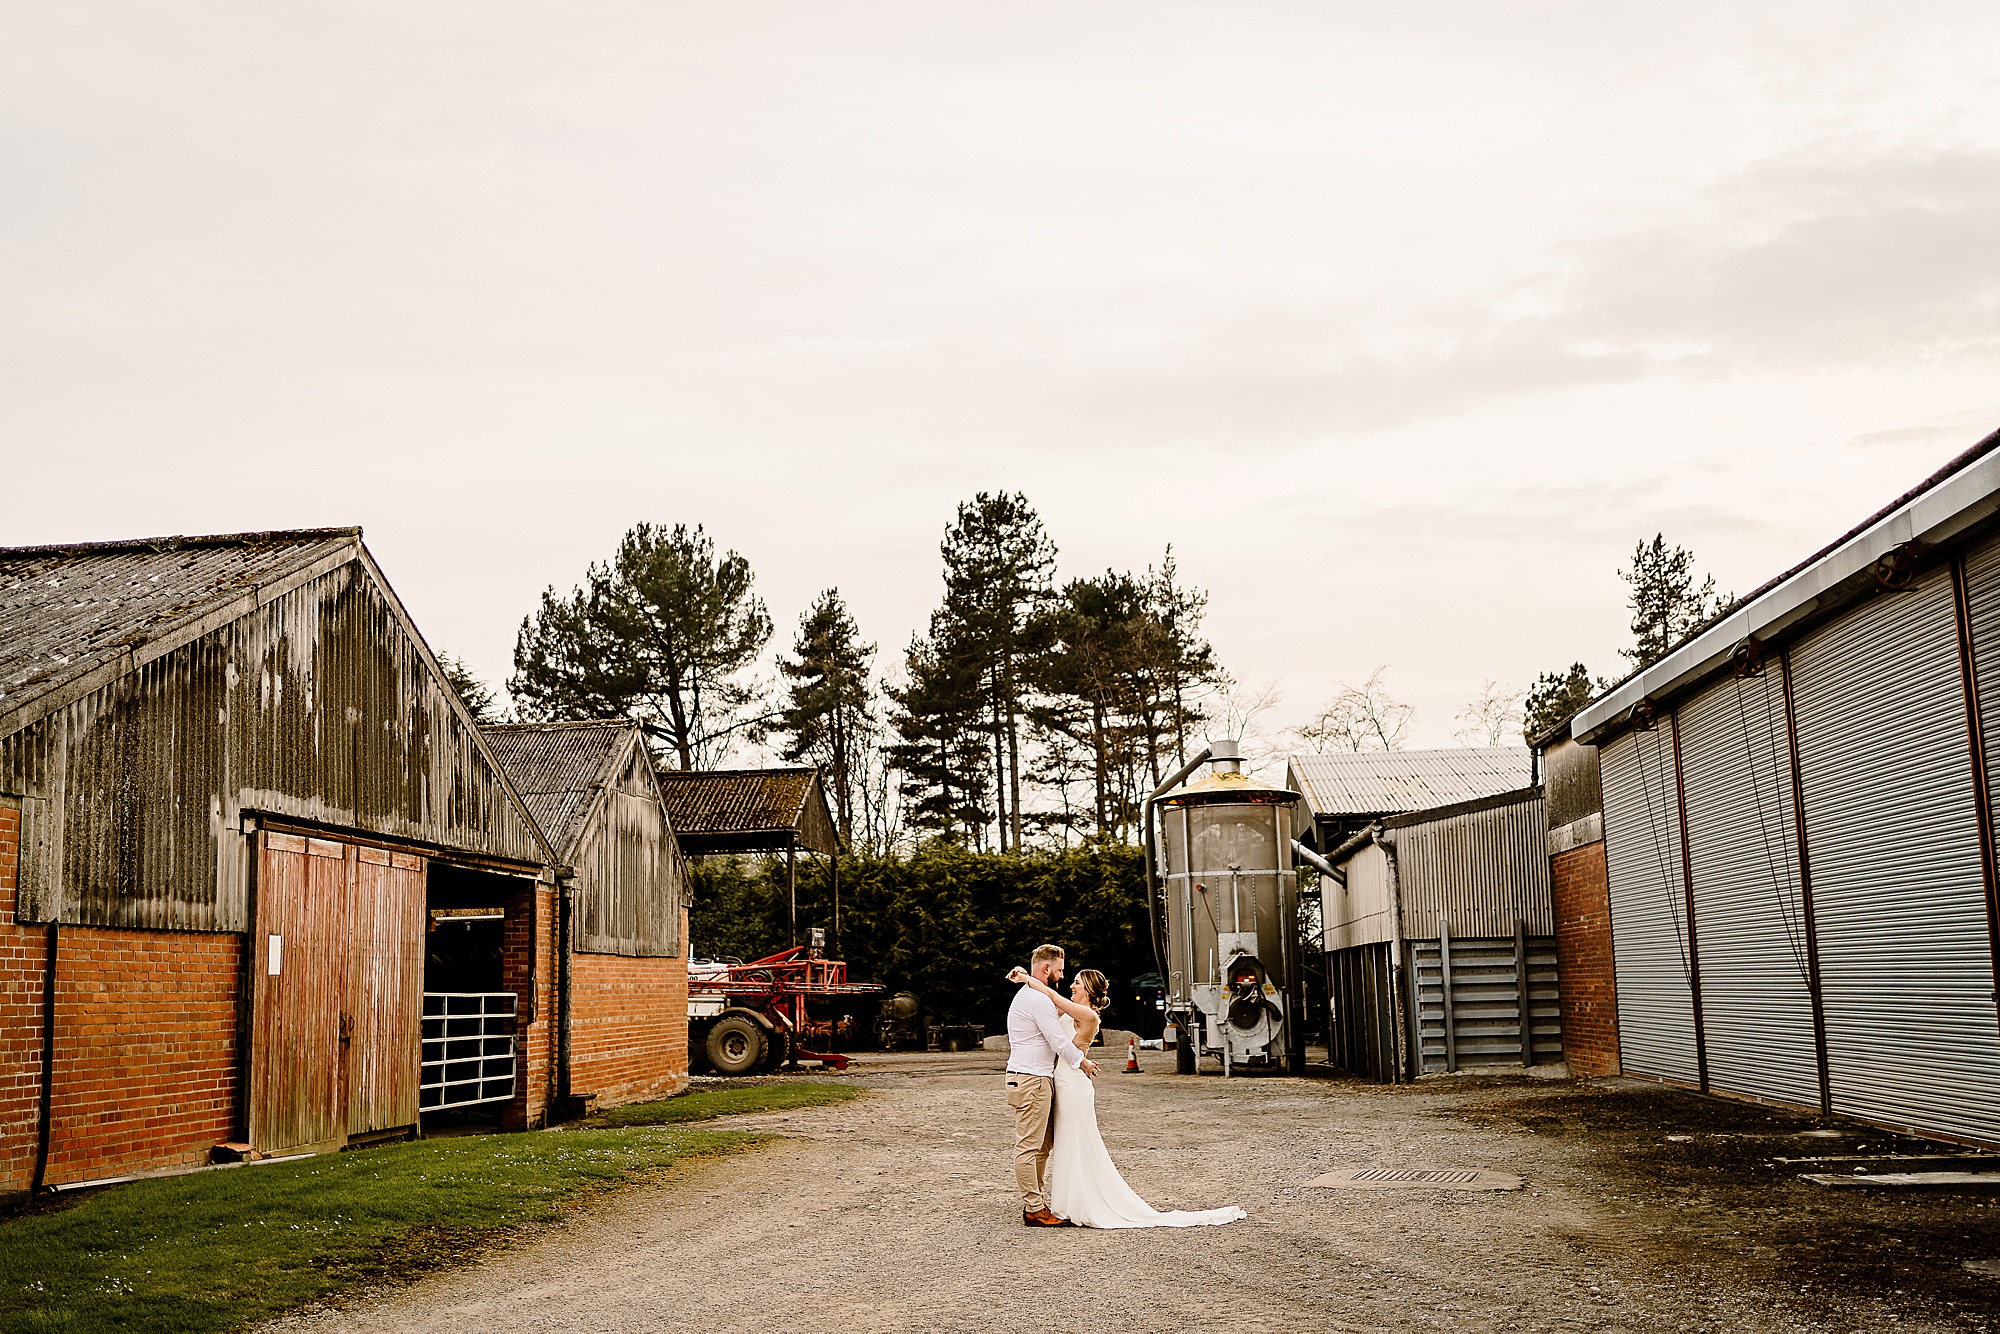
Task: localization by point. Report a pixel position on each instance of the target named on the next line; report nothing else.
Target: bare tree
(1490, 718)
(1359, 717)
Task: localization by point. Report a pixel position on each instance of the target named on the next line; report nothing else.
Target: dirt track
(896, 1212)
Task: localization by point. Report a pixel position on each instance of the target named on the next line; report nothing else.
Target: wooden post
(1444, 988)
(792, 883)
(1521, 993)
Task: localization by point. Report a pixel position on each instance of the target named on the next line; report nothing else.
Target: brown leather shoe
(1044, 1219)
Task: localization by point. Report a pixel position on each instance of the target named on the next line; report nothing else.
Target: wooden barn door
(385, 990)
(337, 992)
(298, 966)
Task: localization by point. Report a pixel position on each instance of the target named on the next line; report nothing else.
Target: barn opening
(478, 985)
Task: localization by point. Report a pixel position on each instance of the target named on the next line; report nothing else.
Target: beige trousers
(1033, 1098)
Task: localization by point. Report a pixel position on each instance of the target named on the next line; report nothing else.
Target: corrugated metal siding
(632, 879)
(1357, 913)
(1648, 933)
(1366, 783)
(317, 706)
(1481, 870)
(1890, 826)
(1486, 996)
(1749, 910)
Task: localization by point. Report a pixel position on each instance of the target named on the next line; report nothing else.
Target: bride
(1084, 1185)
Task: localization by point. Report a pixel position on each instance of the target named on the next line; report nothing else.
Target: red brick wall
(1582, 893)
(628, 1030)
(21, 955)
(528, 969)
(145, 1069)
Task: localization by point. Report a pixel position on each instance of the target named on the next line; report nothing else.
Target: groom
(1034, 1040)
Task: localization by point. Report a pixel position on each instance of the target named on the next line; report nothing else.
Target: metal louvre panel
(1749, 907)
(1648, 938)
(1906, 978)
(1486, 1003)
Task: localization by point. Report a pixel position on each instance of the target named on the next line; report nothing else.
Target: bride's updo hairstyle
(1096, 986)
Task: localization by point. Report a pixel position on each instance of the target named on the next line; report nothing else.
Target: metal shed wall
(1656, 1034)
(1480, 870)
(1893, 837)
(1756, 1002)
(318, 705)
(632, 879)
(1357, 913)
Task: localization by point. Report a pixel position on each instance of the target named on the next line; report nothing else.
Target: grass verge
(218, 1250)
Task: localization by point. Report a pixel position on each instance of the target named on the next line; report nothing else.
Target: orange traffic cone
(1131, 1056)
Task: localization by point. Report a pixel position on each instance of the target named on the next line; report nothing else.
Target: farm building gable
(559, 769)
(165, 696)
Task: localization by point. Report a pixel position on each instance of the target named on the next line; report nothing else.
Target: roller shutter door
(1648, 933)
(1750, 924)
(1907, 979)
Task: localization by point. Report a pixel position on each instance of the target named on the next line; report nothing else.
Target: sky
(1401, 324)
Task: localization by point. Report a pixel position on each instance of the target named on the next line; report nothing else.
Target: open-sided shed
(593, 788)
(235, 788)
(780, 811)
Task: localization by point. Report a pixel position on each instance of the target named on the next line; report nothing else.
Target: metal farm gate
(337, 973)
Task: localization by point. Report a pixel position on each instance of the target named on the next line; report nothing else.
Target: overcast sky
(1402, 323)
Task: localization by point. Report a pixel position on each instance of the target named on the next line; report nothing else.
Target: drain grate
(1386, 1174)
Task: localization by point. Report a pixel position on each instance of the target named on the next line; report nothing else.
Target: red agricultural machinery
(748, 1017)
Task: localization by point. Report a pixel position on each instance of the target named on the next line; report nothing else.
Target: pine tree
(941, 756)
(1666, 603)
(1554, 697)
(998, 568)
(829, 716)
(659, 634)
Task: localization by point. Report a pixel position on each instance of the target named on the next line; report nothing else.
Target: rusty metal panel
(299, 959)
(1481, 869)
(631, 877)
(1570, 779)
(731, 810)
(383, 1008)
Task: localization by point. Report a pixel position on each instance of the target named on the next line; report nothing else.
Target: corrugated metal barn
(1799, 829)
(594, 791)
(239, 790)
(1440, 941)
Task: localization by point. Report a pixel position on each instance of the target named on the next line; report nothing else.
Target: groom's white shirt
(1035, 1037)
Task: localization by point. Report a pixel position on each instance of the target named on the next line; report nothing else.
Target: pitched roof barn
(157, 696)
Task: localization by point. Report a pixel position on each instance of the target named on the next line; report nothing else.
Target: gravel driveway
(896, 1212)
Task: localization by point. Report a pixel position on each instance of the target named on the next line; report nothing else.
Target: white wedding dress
(1084, 1185)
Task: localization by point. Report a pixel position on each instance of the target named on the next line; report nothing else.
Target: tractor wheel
(778, 1046)
(735, 1045)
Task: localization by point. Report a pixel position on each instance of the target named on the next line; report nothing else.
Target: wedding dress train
(1084, 1184)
